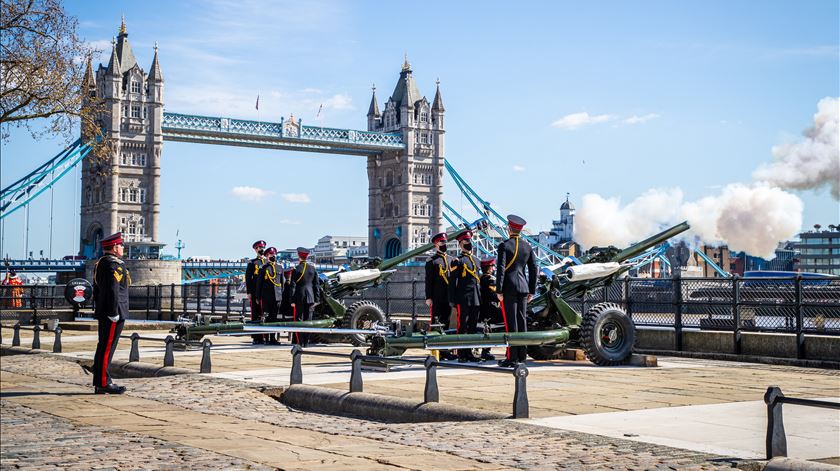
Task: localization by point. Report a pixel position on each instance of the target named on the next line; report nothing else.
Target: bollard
(520, 395)
(430, 392)
(356, 371)
(16, 336)
(776, 443)
(134, 354)
(169, 356)
(296, 376)
(36, 337)
(57, 343)
(205, 356)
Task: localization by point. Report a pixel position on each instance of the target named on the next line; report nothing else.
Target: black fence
(792, 305)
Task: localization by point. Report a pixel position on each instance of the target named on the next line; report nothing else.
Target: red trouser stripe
(504, 318)
(104, 382)
(431, 317)
(458, 328)
(294, 319)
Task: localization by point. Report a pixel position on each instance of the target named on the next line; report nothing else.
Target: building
(406, 187)
(333, 249)
(719, 255)
(562, 230)
(121, 194)
(819, 251)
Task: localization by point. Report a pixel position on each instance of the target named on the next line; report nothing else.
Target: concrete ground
(684, 413)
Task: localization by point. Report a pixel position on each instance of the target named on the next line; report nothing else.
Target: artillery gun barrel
(392, 262)
(654, 240)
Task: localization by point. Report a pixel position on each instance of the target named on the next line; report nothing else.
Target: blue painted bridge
(286, 135)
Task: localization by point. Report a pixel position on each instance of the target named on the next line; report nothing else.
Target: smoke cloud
(747, 217)
(813, 162)
(750, 218)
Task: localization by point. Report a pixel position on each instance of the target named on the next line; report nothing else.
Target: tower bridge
(403, 147)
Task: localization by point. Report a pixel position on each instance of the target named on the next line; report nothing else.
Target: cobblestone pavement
(501, 444)
(35, 440)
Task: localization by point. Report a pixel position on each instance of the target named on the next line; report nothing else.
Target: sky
(542, 98)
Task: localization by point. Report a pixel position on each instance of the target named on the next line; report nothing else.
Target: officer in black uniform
(437, 287)
(252, 272)
(110, 291)
(513, 289)
(286, 312)
(464, 294)
(305, 290)
(491, 312)
(270, 291)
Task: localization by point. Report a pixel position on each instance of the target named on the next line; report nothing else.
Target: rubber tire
(352, 318)
(546, 352)
(590, 334)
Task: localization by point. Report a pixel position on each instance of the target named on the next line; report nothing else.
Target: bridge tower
(406, 187)
(121, 191)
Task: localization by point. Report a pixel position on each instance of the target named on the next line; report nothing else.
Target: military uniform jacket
(305, 284)
(464, 281)
(286, 298)
(514, 256)
(269, 289)
(437, 278)
(110, 288)
(252, 272)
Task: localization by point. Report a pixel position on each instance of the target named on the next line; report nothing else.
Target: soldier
(16, 291)
(270, 291)
(437, 287)
(110, 291)
(464, 293)
(491, 312)
(286, 311)
(513, 289)
(251, 275)
(305, 290)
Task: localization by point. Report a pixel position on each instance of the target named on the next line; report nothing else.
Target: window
(142, 195)
(123, 159)
(135, 86)
(134, 159)
(122, 221)
(122, 198)
(424, 117)
(142, 160)
(144, 112)
(135, 111)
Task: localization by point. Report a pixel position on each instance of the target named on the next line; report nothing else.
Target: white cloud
(296, 197)
(250, 193)
(518, 168)
(576, 120)
(635, 119)
(340, 101)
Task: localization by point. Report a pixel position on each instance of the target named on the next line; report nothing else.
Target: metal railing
(776, 443)
(431, 391)
(169, 352)
(36, 336)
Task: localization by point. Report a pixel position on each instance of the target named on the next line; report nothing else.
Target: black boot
(110, 389)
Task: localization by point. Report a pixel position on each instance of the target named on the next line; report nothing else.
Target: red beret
(439, 237)
(302, 252)
(270, 251)
(259, 243)
(465, 236)
(112, 240)
(488, 262)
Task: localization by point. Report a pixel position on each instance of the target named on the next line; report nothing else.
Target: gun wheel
(362, 315)
(607, 335)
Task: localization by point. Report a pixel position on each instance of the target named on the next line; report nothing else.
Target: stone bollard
(205, 356)
(134, 354)
(57, 343)
(431, 392)
(356, 371)
(296, 376)
(169, 356)
(16, 336)
(36, 337)
(520, 395)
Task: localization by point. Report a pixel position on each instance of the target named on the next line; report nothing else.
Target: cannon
(604, 332)
(332, 319)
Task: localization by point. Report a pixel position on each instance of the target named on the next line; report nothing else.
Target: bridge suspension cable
(20, 193)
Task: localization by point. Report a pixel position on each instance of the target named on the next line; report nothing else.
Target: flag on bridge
(258, 102)
(319, 110)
